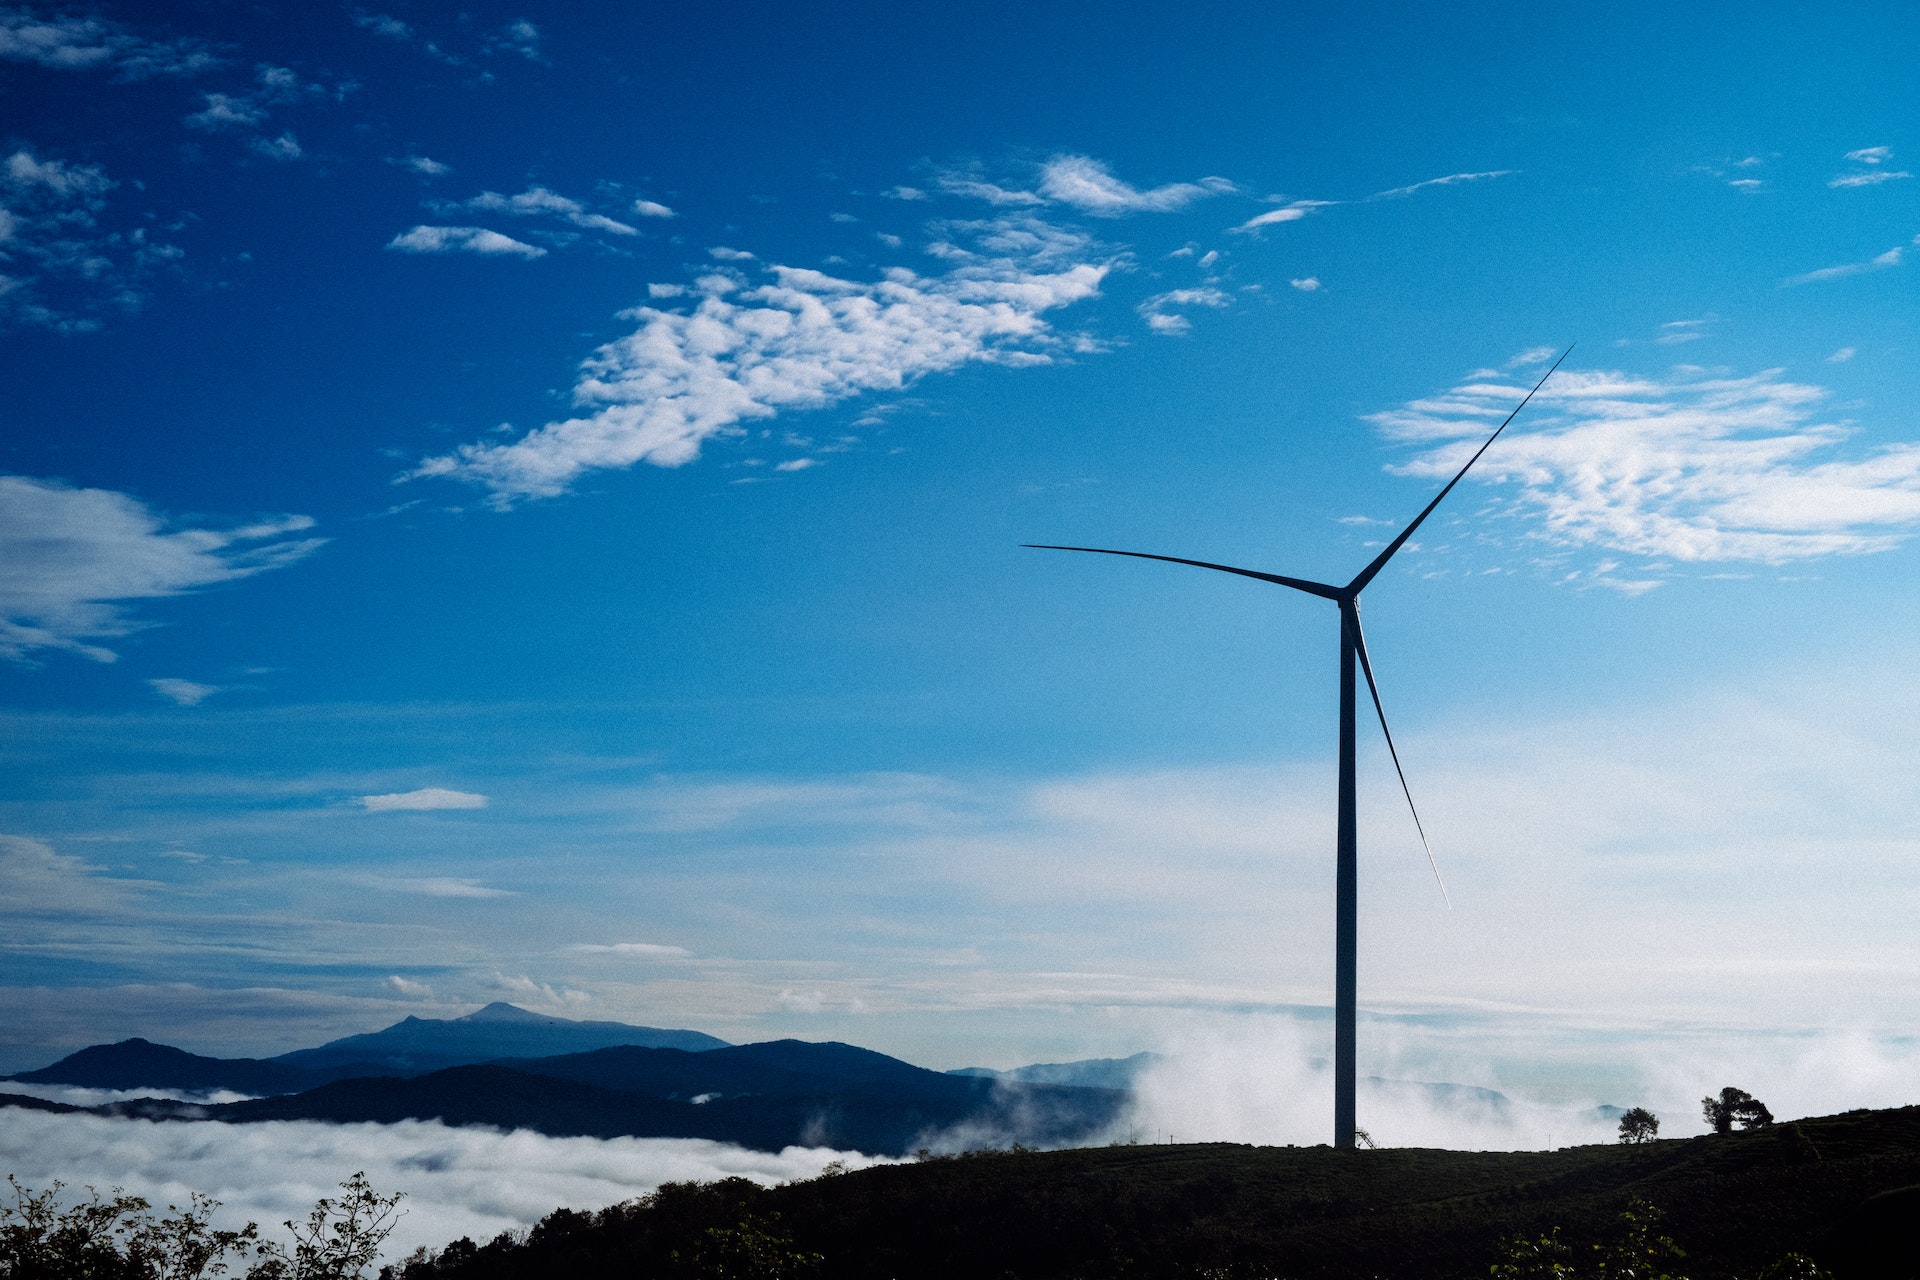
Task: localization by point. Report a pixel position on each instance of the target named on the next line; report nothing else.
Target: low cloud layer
(458, 1181)
(71, 559)
(755, 345)
(1696, 467)
(1266, 1080)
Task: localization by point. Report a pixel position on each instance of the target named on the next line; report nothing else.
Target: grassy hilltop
(1841, 1188)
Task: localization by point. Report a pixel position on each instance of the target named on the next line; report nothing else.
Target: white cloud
(1292, 212)
(185, 693)
(1089, 186)
(423, 799)
(284, 147)
(426, 239)
(438, 886)
(61, 270)
(539, 201)
(1871, 155)
(225, 111)
(427, 165)
(1674, 332)
(1306, 284)
(470, 1182)
(1532, 356)
(1692, 468)
(525, 987)
(408, 989)
(80, 44)
(382, 24)
(797, 464)
(1841, 356)
(69, 558)
(1869, 178)
(975, 187)
(25, 172)
(724, 254)
(1891, 258)
(904, 193)
(651, 209)
(1452, 179)
(1160, 320)
(34, 879)
(647, 950)
(520, 37)
(800, 340)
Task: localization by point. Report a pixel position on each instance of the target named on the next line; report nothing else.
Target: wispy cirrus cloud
(1089, 186)
(785, 338)
(438, 887)
(1161, 319)
(1694, 468)
(72, 43)
(183, 693)
(1870, 174)
(645, 950)
(1870, 178)
(519, 37)
(1292, 211)
(538, 201)
(426, 798)
(1452, 179)
(37, 879)
(1079, 182)
(1891, 258)
(71, 560)
(432, 239)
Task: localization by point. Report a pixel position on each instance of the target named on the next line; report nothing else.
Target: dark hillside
(1735, 1203)
(413, 1046)
(141, 1064)
(599, 1100)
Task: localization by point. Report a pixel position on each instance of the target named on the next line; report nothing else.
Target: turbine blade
(1360, 648)
(1298, 584)
(1366, 575)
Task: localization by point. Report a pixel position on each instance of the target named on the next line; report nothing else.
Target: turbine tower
(1353, 647)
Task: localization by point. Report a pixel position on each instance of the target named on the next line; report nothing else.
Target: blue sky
(519, 503)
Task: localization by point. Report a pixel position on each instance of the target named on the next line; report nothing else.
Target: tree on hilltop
(1638, 1124)
(1735, 1105)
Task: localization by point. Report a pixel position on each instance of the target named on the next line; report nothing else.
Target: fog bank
(458, 1181)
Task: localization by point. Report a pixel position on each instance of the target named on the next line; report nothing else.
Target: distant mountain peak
(501, 1011)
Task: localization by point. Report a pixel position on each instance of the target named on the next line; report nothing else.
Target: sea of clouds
(1266, 1080)
(1259, 1079)
(458, 1181)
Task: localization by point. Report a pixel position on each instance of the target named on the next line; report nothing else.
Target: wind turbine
(1353, 646)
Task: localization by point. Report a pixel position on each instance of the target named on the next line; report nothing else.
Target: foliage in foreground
(1638, 1250)
(119, 1237)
